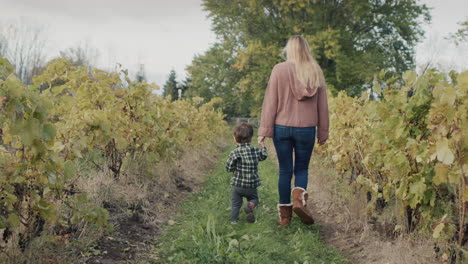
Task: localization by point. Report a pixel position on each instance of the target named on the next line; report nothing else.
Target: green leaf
(409, 76)
(48, 132)
(444, 154)
(418, 187)
(69, 170)
(46, 210)
(2, 222)
(17, 127)
(13, 220)
(440, 174)
(19, 179)
(30, 131)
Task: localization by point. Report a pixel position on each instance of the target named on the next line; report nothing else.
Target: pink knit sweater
(287, 102)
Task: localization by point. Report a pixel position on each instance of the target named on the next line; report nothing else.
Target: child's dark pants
(237, 194)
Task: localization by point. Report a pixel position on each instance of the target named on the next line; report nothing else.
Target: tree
(23, 45)
(3, 44)
(461, 36)
(81, 54)
(350, 39)
(212, 76)
(170, 87)
(141, 74)
(186, 83)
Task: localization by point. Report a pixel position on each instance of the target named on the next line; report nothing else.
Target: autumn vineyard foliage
(405, 142)
(71, 113)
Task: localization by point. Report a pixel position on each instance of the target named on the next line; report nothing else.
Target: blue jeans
(301, 140)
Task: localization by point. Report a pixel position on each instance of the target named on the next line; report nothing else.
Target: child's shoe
(233, 222)
(249, 211)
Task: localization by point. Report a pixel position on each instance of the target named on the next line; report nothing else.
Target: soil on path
(134, 234)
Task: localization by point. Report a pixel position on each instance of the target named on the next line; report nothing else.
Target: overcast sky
(165, 35)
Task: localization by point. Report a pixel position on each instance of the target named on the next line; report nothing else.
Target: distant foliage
(461, 36)
(351, 40)
(170, 88)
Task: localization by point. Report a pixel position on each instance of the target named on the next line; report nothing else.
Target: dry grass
(346, 221)
(144, 199)
(348, 224)
(143, 184)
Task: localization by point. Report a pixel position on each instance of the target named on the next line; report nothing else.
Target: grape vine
(404, 142)
(69, 112)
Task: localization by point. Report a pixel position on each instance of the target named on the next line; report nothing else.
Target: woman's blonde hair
(308, 71)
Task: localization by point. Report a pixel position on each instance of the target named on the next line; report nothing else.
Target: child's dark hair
(243, 133)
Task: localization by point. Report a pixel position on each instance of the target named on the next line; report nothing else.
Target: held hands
(261, 142)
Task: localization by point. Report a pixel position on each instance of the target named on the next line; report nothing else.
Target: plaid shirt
(243, 162)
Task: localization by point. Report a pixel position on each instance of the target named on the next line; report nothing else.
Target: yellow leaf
(465, 195)
(437, 230)
(440, 174)
(462, 78)
(448, 96)
(410, 76)
(444, 154)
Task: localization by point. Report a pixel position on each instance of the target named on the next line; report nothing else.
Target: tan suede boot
(285, 214)
(300, 197)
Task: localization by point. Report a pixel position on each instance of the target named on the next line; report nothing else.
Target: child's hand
(261, 142)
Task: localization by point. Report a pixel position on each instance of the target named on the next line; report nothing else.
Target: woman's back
(295, 104)
(287, 102)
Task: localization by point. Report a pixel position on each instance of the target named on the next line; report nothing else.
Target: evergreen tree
(141, 75)
(186, 85)
(170, 87)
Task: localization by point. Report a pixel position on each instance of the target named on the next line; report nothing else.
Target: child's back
(243, 163)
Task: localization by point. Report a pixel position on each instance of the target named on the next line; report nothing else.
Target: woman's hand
(261, 142)
(321, 142)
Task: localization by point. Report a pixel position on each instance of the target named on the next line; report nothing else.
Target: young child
(243, 162)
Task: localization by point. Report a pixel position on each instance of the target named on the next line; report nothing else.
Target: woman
(295, 104)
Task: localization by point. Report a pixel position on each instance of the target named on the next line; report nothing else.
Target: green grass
(203, 233)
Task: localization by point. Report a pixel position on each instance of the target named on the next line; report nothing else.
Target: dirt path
(135, 232)
(341, 218)
(203, 234)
